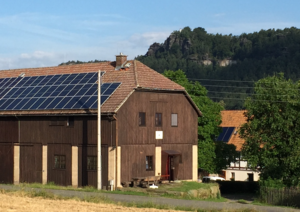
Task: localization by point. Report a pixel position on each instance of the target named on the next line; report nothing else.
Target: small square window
(149, 163)
(158, 119)
(92, 163)
(70, 121)
(142, 119)
(174, 122)
(59, 162)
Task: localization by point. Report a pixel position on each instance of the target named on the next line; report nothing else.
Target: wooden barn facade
(148, 128)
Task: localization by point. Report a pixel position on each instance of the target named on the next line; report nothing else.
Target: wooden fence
(280, 196)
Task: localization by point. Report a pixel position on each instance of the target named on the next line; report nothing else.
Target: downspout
(117, 139)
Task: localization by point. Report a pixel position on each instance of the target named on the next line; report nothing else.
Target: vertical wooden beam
(44, 164)
(158, 161)
(75, 166)
(16, 165)
(195, 162)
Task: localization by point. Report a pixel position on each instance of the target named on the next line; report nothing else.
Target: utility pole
(99, 165)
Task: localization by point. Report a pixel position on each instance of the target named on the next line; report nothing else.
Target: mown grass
(51, 185)
(180, 187)
(105, 200)
(220, 199)
(187, 186)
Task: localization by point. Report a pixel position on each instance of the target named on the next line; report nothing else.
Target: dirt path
(16, 203)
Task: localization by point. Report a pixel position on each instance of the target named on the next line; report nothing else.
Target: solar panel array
(225, 134)
(62, 91)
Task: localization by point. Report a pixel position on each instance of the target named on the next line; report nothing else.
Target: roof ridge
(47, 67)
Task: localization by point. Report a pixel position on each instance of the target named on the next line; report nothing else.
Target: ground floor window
(232, 176)
(59, 161)
(149, 163)
(92, 163)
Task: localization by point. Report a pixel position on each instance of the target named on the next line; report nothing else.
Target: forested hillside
(227, 65)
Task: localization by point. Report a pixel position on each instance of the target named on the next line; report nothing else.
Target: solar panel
(225, 134)
(62, 91)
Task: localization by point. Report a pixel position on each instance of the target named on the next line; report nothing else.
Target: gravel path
(156, 200)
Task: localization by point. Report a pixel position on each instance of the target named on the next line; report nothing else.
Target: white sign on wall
(158, 134)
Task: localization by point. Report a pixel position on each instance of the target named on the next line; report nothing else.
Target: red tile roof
(234, 118)
(136, 76)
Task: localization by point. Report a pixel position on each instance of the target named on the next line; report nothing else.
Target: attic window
(174, 120)
(158, 119)
(70, 121)
(142, 119)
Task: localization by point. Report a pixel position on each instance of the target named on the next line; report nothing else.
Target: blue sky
(46, 33)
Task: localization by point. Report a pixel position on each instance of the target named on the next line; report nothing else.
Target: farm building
(232, 120)
(48, 125)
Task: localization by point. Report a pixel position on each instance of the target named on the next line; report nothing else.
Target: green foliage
(208, 124)
(73, 62)
(225, 154)
(257, 55)
(271, 134)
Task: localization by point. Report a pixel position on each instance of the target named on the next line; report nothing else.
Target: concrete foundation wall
(44, 164)
(112, 164)
(74, 166)
(158, 161)
(195, 162)
(16, 164)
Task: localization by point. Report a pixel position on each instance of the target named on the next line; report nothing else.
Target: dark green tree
(271, 134)
(225, 154)
(208, 124)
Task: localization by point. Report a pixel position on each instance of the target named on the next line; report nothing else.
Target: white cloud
(30, 60)
(219, 15)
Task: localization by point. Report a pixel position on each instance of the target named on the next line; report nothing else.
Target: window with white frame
(174, 122)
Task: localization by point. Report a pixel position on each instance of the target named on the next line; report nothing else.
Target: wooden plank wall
(7, 162)
(149, 102)
(84, 131)
(185, 169)
(60, 176)
(88, 177)
(8, 130)
(133, 159)
(31, 163)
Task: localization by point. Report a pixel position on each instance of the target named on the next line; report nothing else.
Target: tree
(272, 141)
(225, 154)
(208, 124)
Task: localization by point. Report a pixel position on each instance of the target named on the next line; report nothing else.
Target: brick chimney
(120, 59)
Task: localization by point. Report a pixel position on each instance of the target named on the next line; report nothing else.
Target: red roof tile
(234, 118)
(136, 76)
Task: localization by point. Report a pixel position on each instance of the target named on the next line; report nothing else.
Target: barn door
(31, 163)
(7, 162)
